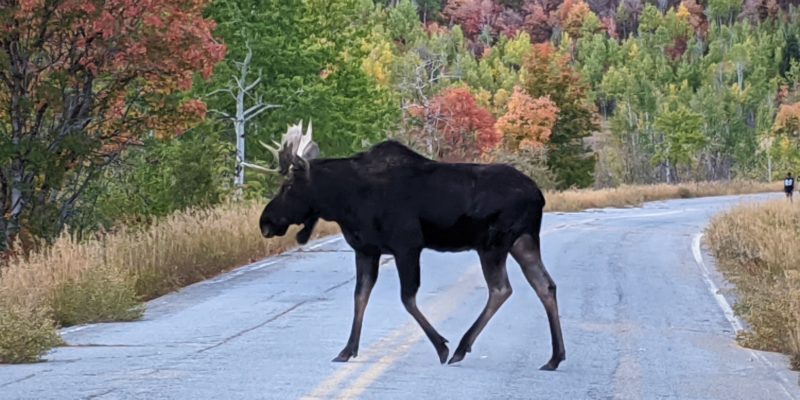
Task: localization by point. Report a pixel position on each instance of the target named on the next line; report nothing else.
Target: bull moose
(392, 200)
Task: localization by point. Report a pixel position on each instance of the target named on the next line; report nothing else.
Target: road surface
(636, 296)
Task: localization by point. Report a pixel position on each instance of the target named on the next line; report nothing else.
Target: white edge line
(712, 287)
(728, 310)
(324, 242)
(222, 278)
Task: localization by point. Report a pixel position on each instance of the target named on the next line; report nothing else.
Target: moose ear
(300, 166)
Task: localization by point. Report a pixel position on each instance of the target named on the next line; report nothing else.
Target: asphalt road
(636, 296)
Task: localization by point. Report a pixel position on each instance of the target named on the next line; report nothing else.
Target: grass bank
(757, 247)
(108, 277)
(635, 195)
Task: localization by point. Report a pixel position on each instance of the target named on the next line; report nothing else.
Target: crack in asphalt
(19, 380)
(273, 318)
(101, 394)
(241, 333)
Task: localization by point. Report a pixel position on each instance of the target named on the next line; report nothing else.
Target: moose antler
(294, 148)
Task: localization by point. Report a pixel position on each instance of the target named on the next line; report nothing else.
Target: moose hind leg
(366, 275)
(408, 270)
(494, 270)
(527, 254)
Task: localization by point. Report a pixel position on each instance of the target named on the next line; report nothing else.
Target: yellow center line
(439, 312)
(445, 304)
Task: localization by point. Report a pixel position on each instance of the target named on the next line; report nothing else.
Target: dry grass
(106, 278)
(626, 196)
(757, 247)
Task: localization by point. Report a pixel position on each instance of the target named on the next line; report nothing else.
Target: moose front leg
(366, 275)
(408, 269)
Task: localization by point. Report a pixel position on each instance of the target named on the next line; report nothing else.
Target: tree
(786, 137)
(464, 130)
(402, 24)
(311, 54)
(474, 16)
(551, 74)
(240, 90)
(540, 19)
(572, 14)
(528, 122)
(83, 80)
(683, 139)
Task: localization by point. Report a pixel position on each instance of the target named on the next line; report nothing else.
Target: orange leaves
(571, 15)
(787, 122)
(528, 122)
(195, 107)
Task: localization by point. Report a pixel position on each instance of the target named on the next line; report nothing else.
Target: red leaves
(112, 67)
(466, 129)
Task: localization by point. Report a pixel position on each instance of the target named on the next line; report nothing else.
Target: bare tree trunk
(240, 91)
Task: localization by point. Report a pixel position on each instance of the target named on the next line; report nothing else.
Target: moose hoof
(456, 358)
(459, 355)
(443, 352)
(551, 365)
(345, 356)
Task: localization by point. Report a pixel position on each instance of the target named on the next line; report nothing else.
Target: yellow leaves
(518, 48)
(379, 59)
(484, 98)
(683, 13)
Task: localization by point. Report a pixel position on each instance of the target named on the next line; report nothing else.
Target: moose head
(293, 203)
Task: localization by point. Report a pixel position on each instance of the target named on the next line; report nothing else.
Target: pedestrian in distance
(788, 186)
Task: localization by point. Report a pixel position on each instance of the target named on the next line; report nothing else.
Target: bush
(25, 333)
(99, 295)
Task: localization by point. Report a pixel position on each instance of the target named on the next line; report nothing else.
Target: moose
(391, 200)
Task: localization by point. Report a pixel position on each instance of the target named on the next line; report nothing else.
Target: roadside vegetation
(635, 195)
(107, 277)
(756, 247)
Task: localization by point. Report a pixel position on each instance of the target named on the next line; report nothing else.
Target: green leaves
(311, 56)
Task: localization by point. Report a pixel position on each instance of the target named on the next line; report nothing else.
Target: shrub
(99, 295)
(25, 333)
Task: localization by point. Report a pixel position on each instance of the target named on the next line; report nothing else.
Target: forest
(120, 112)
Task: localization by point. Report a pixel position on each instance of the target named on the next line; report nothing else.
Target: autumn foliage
(83, 79)
(464, 129)
(787, 121)
(571, 15)
(151, 47)
(528, 122)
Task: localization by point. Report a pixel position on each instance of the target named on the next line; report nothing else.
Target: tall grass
(106, 278)
(758, 249)
(634, 195)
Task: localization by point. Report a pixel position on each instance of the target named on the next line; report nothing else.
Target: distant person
(788, 185)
